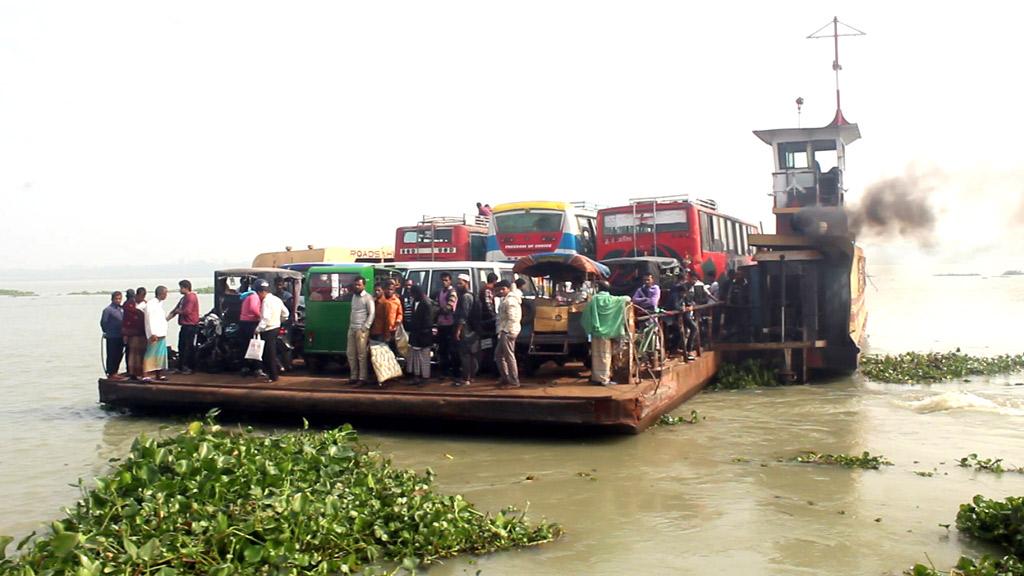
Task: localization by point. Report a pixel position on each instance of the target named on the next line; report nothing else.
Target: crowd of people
(135, 330)
(412, 324)
(454, 321)
(688, 294)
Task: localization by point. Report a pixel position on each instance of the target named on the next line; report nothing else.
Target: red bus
(442, 238)
(676, 227)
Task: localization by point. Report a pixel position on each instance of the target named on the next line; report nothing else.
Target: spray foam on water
(961, 401)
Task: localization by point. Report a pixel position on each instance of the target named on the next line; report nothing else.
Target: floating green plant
(670, 420)
(865, 460)
(913, 367)
(984, 566)
(750, 373)
(209, 501)
(987, 464)
(999, 522)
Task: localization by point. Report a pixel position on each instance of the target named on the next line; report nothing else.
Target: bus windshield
(525, 222)
(427, 235)
(626, 223)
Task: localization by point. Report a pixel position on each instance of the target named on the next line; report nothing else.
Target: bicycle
(649, 345)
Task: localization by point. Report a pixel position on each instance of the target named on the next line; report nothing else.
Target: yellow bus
(332, 254)
(520, 229)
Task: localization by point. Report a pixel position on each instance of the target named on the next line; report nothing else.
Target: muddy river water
(709, 498)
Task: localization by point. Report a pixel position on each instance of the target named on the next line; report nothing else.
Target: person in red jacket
(133, 329)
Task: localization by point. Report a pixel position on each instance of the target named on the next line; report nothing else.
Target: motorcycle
(219, 347)
(222, 347)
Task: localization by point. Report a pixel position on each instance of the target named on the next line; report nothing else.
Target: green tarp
(605, 316)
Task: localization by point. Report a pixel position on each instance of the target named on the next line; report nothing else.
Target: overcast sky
(140, 132)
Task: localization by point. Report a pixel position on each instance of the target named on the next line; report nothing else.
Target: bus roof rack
(454, 220)
(584, 205)
(705, 202)
(671, 198)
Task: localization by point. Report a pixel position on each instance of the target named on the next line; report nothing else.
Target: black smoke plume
(895, 207)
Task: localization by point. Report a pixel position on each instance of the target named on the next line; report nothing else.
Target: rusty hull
(556, 397)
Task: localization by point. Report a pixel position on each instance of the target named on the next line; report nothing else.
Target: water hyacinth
(865, 460)
(750, 373)
(984, 566)
(209, 501)
(999, 522)
(670, 420)
(914, 367)
(987, 464)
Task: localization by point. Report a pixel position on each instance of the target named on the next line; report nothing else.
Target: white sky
(140, 132)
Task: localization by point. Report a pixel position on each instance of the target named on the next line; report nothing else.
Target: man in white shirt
(359, 322)
(154, 362)
(510, 315)
(272, 313)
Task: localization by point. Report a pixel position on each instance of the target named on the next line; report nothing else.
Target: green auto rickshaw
(327, 294)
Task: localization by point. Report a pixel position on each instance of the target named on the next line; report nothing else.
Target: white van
(428, 274)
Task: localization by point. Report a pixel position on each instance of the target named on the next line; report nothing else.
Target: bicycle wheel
(648, 348)
(658, 344)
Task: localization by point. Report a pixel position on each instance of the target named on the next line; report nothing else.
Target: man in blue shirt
(110, 323)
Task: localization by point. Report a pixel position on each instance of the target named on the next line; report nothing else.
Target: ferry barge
(802, 295)
(557, 397)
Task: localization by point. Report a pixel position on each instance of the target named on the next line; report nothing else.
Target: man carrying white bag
(272, 313)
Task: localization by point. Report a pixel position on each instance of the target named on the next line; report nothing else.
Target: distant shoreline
(16, 293)
(203, 290)
(184, 270)
(28, 293)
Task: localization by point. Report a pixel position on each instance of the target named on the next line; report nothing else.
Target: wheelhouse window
(793, 155)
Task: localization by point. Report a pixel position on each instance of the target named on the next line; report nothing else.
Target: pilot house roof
(845, 132)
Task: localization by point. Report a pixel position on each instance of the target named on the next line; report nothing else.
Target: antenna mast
(835, 63)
